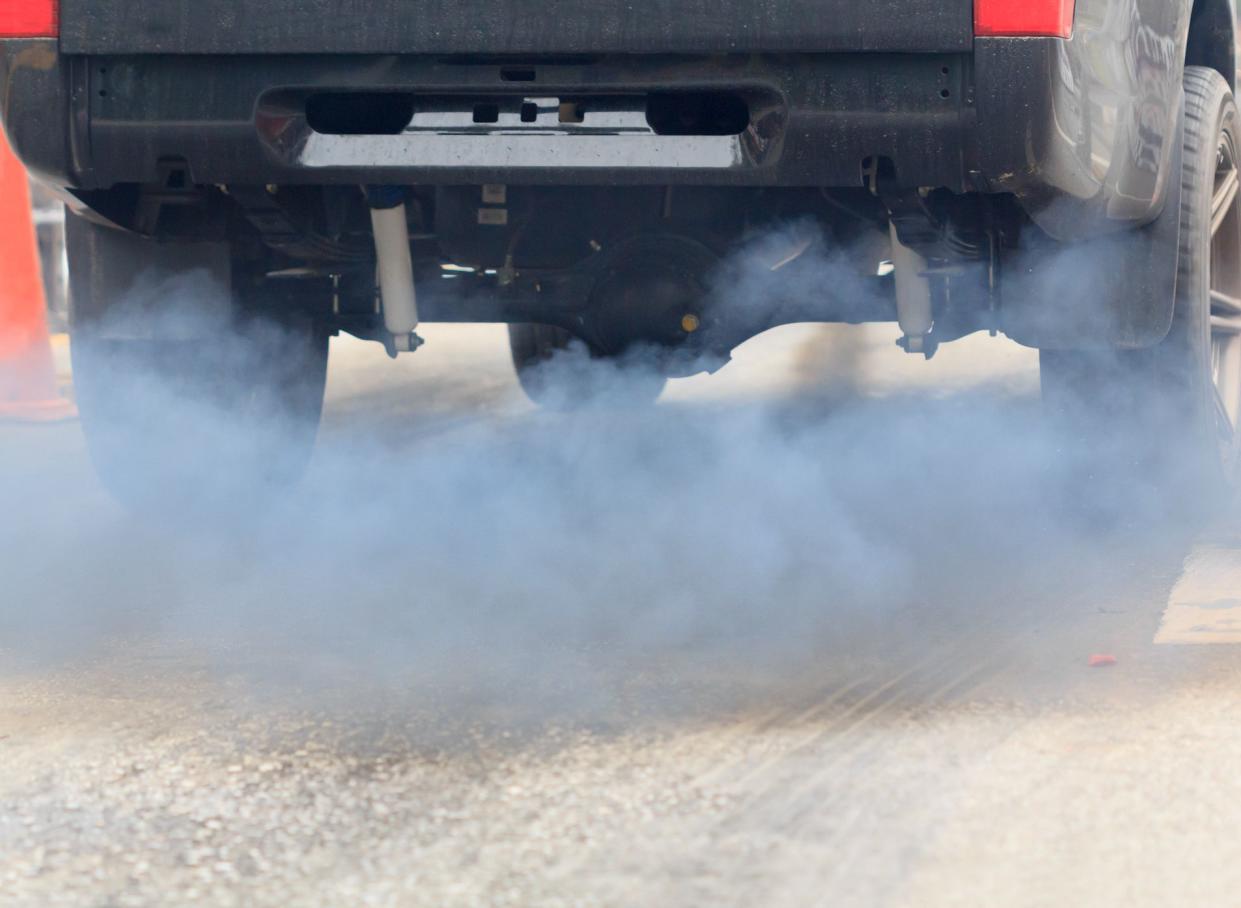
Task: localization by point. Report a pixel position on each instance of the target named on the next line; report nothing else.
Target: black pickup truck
(1064, 172)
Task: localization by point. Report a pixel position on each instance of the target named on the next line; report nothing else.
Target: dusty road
(789, 639)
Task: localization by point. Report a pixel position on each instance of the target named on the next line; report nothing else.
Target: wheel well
(1212, 41)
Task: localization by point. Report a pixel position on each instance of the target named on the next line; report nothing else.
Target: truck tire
(533, 345)
(1171, 412)
(178, 407)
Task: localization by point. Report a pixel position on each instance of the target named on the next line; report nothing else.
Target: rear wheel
(1176, 407)
(548, 384)
(186, 395)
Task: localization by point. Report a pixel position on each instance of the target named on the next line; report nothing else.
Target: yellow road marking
(1205, 606)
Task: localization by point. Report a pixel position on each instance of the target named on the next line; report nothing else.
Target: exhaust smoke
(533, 564)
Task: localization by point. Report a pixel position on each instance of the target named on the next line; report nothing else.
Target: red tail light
(29, 18)
(1024, 18)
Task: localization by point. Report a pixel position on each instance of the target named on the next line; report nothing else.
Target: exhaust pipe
(396, 268)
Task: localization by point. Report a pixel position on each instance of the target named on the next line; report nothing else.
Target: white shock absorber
(913, 296)
(396, 267)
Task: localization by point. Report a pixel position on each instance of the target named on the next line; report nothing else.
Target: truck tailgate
(512, 26)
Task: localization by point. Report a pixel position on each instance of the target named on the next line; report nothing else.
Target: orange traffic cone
(27, 371)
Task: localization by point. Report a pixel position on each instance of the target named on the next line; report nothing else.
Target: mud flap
(1117, 291)
(125, 286)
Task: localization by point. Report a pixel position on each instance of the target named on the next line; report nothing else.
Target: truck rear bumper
(1007, 118)
(809, 120)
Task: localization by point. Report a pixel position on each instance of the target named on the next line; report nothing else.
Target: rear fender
(1117, 290)
(1081, 131)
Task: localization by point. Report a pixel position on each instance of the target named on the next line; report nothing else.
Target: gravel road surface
(817, 630)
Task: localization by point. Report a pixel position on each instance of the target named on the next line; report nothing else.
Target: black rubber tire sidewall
(171, 421)
(1153, 410)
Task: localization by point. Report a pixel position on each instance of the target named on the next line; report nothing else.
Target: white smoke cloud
(542, 561)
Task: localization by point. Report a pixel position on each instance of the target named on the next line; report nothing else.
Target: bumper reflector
(1023, 18)
(29, 19)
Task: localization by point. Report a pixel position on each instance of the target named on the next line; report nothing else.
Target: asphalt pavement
(835, 626)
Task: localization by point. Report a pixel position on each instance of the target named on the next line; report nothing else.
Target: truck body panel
(482, 27)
